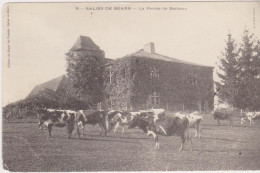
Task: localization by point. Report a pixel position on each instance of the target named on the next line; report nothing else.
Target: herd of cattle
(152, 122)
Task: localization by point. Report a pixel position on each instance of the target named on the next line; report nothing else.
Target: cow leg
(196, 131)
(123, 129)
(199, 131)
(83, 129)
(49, 129)
(156, 139)
(218, 122)
(101, 129)
(182, 142)
(105, 128)
(78, 131)
(117, 124)
(189, 139)
(81, 126)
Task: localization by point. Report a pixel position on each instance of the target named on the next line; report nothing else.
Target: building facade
(145, 79)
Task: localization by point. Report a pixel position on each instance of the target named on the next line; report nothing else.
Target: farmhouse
(146, 79)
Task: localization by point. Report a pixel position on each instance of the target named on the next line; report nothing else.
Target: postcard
(130, 86)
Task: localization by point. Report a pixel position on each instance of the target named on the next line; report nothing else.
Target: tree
(84, 73)
(228, 73)
(249, 70)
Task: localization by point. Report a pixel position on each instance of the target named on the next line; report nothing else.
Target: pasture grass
(26, 148)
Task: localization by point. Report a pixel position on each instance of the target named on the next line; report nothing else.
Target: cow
(91, 117)
(194, 121)
(225, 114)
(165, 126)
(58, 118)
(155, 113)
(117, 119)
(250, 116)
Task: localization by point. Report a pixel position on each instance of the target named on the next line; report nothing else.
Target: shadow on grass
(20, 122)
(222, 139)
(104, 140)
(118, 137)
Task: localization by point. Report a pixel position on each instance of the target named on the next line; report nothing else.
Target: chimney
(149, 48)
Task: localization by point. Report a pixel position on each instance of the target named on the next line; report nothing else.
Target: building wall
(179, 86)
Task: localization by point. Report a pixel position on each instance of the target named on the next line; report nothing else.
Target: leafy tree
(228, 73)
(84, 73)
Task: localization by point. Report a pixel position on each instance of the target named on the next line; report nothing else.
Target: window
(110, 75)
(154, 72)
(155, 98)
(193, 78)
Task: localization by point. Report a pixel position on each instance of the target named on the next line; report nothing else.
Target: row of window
(154, 74)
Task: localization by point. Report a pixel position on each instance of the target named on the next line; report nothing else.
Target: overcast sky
(41, 34)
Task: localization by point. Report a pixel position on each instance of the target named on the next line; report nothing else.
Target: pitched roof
(85, 43)
(52, 84)
(143, 53)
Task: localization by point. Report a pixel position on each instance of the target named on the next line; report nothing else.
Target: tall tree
(228, 73)
(249, 65)
(85, 76)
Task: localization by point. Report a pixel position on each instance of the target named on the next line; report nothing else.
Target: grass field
(25, 148)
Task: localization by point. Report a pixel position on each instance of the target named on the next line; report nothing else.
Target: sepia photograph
(130, 86)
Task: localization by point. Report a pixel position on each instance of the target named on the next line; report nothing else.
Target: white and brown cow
(194, 121)
(165, 126)
(250, 116)
(58, 118)
(117, 118)
(91, 117)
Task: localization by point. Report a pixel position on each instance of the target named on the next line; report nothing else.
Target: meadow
(26, 148)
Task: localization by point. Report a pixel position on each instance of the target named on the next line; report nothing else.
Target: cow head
(243, 120)
(43, 116)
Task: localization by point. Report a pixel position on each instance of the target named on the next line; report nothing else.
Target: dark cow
(166, 126)
(225, 114)
(91, 117)
(58, 118)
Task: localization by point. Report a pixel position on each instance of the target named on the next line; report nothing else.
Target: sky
(41, 33)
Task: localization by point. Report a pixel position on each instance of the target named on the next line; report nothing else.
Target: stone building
(146, 79)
